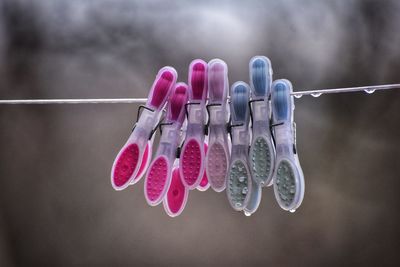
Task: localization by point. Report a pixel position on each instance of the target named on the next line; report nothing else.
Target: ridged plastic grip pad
(237, 188)
(162, 89)
(126, 165)
(217, 166)
(156, 179)
(260, 160)
(191, 162)
(285, 183)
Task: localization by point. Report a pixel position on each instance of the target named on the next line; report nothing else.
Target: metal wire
(298, 94)
(368, 89)
(76, 101)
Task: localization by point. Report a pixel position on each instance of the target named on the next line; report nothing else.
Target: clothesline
(298, 94)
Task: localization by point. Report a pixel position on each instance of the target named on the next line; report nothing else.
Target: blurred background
(57, 207)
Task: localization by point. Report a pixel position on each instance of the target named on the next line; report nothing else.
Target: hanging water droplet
(292, 211)
(247, 213)
(316, 94)
(369, 91)
(298, 96)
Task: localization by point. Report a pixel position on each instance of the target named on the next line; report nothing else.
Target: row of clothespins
(240, 145)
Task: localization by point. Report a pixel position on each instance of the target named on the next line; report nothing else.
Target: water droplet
(316, 94)
(369, 91)
(262, 183)
(241, 179)
(292, 211)
(244, 190)
(298, 96)
(238, 205)
(247, 213)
